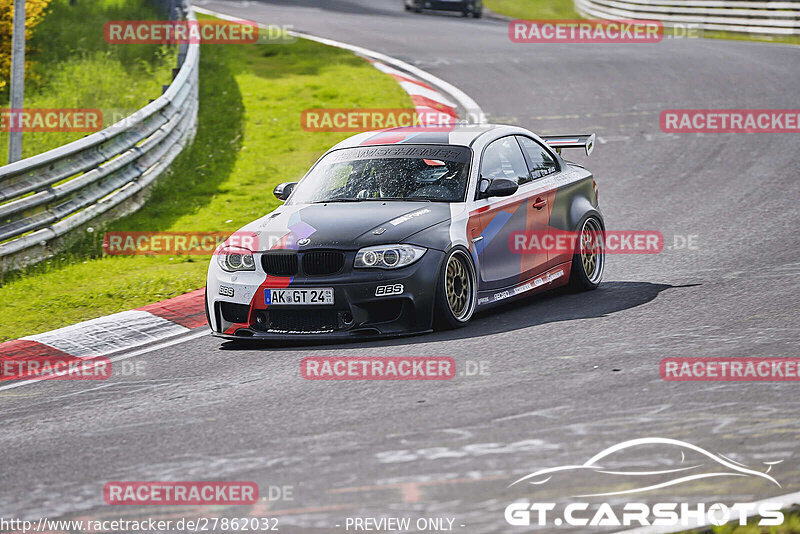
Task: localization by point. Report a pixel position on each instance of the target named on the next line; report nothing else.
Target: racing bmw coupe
(468, 8)
(403, 231)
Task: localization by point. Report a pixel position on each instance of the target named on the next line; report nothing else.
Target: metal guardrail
(47, 197)
(748, 16)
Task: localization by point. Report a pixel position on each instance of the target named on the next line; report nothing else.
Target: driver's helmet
(391, 181)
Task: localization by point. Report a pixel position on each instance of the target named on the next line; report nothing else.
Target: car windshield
(436, 173)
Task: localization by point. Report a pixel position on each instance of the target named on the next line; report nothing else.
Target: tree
(34, 13)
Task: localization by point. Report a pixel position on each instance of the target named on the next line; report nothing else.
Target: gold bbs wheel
(592, 253)
(459, 288)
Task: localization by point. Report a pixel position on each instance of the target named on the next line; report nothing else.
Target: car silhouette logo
(703, 464)
(303, 242)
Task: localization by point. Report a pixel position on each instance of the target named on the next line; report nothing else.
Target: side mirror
(283, 190)
(500, 187)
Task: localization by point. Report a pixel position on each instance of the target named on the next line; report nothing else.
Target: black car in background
(469, 8)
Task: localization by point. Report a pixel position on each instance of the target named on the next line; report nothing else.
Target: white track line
(784, 500)
(416, 89)
(395, 72)
(473, 111)
(145, 350)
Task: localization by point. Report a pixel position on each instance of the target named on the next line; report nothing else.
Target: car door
(501, 218)
(541, 189)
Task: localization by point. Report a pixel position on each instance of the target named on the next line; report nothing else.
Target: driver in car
(388, 183)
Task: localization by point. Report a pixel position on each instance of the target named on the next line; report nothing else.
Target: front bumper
(356, 313)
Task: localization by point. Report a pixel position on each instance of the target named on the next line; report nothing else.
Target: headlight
(236, 259)
(388, 256)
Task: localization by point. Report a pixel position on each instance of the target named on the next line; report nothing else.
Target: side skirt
(552, 278)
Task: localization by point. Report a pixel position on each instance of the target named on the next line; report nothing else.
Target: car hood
(344, 225)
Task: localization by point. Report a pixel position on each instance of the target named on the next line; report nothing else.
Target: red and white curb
(88, 340)
(428, 102)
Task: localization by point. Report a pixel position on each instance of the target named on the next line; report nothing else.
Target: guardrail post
(17, 97)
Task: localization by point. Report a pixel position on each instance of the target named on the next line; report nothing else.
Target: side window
(541, 162)
(503, 159)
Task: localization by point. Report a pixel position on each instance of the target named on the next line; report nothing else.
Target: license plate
(299, 297)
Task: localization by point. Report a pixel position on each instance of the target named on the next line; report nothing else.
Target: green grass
(731, 36)
(249, 139)
(534, 9)
(791, 525)
(74, 67)
(565, 9)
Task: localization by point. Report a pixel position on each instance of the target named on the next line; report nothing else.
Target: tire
(469, 11)
(456, 291)
(478, 14)
(588, 263)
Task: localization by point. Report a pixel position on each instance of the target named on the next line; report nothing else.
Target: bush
(72, 66)
(34, 13)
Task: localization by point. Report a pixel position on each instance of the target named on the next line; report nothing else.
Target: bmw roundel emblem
(304, 241)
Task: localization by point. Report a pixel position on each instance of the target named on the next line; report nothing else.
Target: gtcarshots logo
(685, 463)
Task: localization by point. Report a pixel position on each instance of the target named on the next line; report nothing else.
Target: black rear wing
(558, 142)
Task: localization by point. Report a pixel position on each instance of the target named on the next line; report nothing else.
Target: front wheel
(470, 11)
(589, 259)
(456, 291)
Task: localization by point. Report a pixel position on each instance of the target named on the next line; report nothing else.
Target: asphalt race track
(568, 375)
